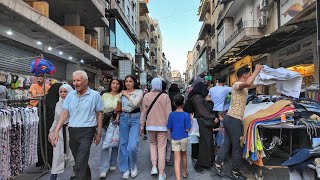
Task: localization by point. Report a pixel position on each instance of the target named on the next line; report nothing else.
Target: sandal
(185, 174)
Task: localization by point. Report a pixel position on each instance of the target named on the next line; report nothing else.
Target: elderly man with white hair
(84, 108)
(156, 107)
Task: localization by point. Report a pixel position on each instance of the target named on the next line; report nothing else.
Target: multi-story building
(243, 33)
(123, 35)
(144, 58)
(189, 68)
(156, 47)
(176, 77)
(204, 56)
(69, 37)
(166, 71)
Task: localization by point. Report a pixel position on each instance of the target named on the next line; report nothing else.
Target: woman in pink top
(156, 125)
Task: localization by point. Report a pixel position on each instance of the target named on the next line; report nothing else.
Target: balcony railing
(236, 32)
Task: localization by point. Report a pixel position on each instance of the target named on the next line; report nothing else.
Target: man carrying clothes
(232, 122)
(84, 108)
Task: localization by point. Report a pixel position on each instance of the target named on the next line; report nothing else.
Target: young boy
(179, 124)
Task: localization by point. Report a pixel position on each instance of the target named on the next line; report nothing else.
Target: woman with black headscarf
(173, 91)
(51, 100)
(207, 121)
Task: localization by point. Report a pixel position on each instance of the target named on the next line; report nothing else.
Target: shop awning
(299, 27)
(283, 37)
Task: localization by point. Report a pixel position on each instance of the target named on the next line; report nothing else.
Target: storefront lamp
(60, 52)
(82, 61)
(39, 42)
(49, 48)
(70, 57)
(9, 32)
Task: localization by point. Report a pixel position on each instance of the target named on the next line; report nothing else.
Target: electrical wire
(176, 14)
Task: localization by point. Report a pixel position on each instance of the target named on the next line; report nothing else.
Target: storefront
(300, 57)
(246, 61)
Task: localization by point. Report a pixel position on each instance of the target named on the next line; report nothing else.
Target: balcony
(239, 39)
(91, 12)
(145, 27)
(230, 8)
(143, 8)
(33, 27)
(205, 30)
(203, 9)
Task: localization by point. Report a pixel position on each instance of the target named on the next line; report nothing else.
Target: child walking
(179, 124)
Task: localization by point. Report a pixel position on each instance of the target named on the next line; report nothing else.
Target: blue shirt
(83, 110)
(178, 123)
(218, 95)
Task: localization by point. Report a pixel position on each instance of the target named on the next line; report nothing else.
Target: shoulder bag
(155, 99)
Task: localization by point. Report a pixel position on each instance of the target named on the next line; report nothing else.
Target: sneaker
(112, 168)
(219, 171)
(163, 177)
(134, 172)
(154, 171)
(103, 175)
(236, 175)
(126, 175)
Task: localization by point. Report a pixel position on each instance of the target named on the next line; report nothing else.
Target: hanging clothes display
(18, 140)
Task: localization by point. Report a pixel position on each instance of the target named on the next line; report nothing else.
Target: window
(221, 39)
(132, 21)
(128, 13)
(239, 25)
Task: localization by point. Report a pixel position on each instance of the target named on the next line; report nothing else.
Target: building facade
(70, 39)
(244, 33)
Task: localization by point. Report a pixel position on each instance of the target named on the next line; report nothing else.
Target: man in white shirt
(218, 94)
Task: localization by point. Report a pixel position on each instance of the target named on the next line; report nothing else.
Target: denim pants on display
(107, 159)
(233, 130)
(129, 140)
(80, 143)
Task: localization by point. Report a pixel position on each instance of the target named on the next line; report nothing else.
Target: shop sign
(296, 49)
(242, 62)
(143, 78)
(208, 78)
(290, 8)
(125, 68)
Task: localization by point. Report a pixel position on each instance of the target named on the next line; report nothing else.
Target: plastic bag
(194, 131)
(112, 137)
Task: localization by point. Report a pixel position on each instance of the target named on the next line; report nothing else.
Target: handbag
(112, 137)
(155, 99)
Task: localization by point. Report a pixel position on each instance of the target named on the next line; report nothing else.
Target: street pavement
(144, 168)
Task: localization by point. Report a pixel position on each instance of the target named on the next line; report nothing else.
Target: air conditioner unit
(262, 22)
(265, 4)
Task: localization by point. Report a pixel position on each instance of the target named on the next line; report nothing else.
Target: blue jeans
(105, 159)
(129, 140)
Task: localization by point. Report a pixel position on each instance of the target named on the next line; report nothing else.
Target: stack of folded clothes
(252, 145)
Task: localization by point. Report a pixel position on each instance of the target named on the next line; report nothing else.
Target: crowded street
(159, 89)
(144, 168)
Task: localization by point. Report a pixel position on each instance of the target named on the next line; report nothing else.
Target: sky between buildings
(180, 27)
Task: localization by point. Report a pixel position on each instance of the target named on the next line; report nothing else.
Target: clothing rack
(44, 128)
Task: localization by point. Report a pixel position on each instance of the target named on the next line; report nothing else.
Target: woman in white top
(129, 127)
(110, 100)
(62, 156)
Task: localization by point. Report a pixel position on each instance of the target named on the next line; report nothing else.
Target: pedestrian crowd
(123, 113)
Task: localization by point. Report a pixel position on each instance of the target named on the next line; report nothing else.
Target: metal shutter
(15, 60)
